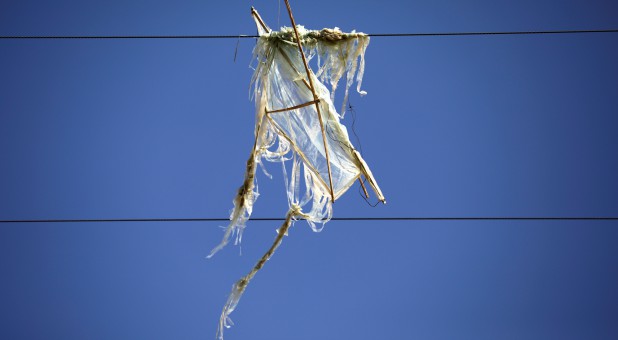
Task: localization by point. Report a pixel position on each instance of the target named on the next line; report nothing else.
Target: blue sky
(451, 126)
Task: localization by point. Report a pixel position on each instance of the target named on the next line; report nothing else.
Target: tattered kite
(296, 121)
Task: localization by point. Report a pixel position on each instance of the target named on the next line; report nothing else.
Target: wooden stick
(360, 180)
(315, 97)
(294, 107)
(259, 19)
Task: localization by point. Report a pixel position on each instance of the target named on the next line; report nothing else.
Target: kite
(296, 122)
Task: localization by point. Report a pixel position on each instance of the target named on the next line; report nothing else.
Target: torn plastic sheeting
(296, 121)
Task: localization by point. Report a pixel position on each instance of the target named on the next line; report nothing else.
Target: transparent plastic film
(298, 126)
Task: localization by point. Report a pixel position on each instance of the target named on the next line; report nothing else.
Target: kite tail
(243, 205)
(239, 287)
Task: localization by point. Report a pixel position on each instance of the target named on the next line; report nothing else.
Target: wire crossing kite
(296, 121)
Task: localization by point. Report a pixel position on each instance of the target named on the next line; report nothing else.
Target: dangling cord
(236, 50)
(279, 14)
(353, 112)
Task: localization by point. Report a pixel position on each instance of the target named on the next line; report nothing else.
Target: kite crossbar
(294, 107)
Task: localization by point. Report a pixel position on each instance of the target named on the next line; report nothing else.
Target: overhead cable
(431, 34)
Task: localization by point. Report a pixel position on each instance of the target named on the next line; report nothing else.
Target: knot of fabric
(296, 211)
(332, 35)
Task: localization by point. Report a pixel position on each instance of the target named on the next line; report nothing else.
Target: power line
(491, 33)
(217, 219)
(434, 34)
(129, 36)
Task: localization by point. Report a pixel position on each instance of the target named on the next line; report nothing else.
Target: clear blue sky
(451, 126)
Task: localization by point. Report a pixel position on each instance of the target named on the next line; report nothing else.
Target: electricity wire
(431, 34)
(382, 219)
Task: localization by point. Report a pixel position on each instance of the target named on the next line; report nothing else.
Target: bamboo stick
(360, 180)
(294, 107)
(259, 19)
(315, 97)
